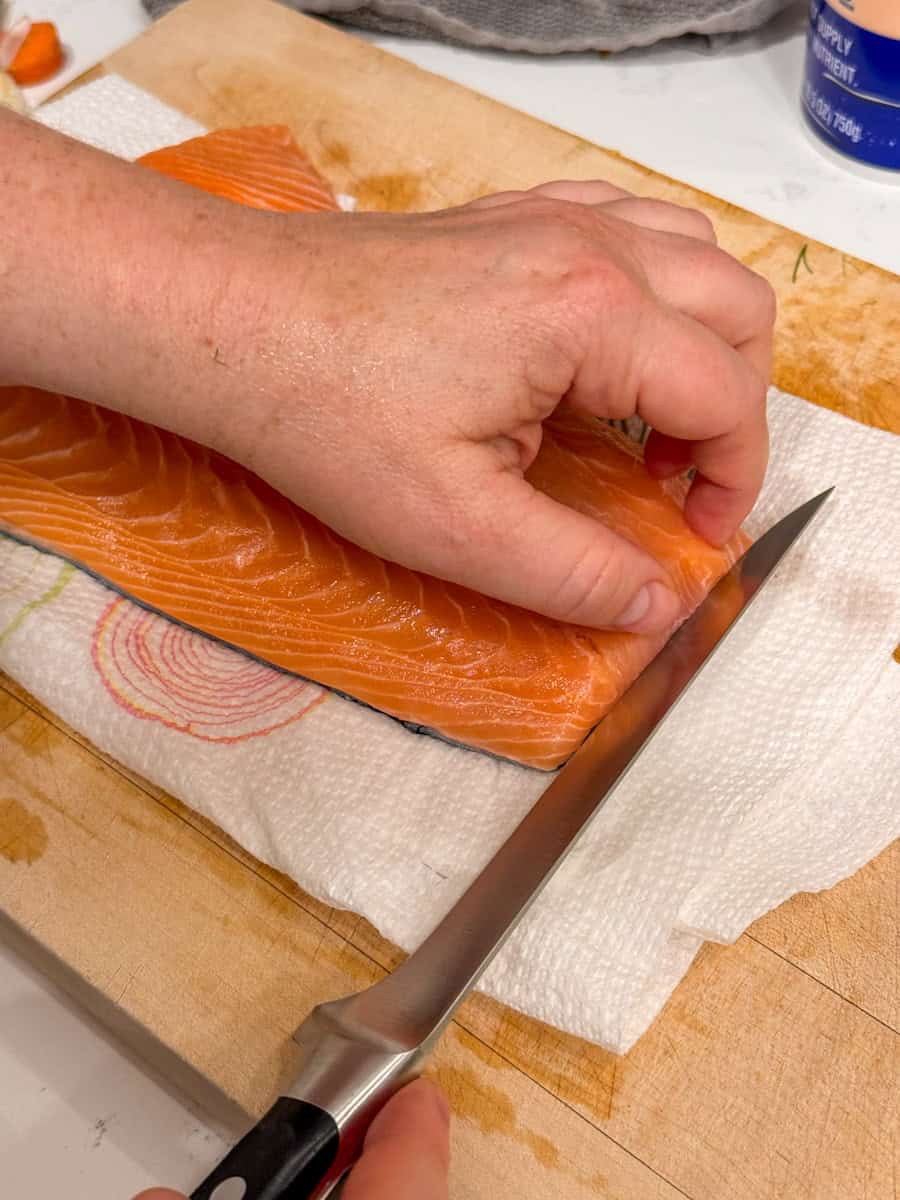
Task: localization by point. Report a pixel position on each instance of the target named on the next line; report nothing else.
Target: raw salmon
(260, 167)
(188, 532)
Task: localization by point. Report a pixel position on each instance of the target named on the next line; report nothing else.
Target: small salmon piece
(204, 541)
(259, 167)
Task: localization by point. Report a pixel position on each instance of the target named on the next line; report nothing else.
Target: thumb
(533, 551)
(161, 1194)
(407, 1150)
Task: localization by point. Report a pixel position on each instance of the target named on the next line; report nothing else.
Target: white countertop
(726, 121)
(78, 1119)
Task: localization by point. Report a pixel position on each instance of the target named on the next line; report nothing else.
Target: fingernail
(653, 608)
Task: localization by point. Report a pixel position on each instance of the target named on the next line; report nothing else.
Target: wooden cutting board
(774, 1071)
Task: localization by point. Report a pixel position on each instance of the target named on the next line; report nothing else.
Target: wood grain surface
(774, 1071)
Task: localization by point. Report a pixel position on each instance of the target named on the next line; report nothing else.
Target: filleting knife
(358, 1051)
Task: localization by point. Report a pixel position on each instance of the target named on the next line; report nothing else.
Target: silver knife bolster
(350, 1072)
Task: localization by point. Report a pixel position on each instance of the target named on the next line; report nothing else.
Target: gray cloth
(540, 26)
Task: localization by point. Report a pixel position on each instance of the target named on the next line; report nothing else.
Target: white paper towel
(779, 772)
(114, 115)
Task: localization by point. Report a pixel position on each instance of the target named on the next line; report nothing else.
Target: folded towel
(551, 27)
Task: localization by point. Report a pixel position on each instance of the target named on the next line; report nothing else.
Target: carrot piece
(39, 56)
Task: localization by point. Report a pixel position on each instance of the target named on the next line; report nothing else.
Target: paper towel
(114, 115)
(780, 771)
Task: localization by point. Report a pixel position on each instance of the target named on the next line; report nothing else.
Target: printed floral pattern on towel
(163, 672)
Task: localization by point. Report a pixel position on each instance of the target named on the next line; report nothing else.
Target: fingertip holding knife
(358, 1051)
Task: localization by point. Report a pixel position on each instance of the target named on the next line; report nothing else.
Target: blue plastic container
(851, 90)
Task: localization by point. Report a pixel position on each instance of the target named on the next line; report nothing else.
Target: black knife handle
(285, 1156)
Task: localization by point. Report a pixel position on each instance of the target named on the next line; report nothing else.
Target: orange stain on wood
(494, 1112)
(388, 193)
(336, 152)
(30, 736)
(23, 835)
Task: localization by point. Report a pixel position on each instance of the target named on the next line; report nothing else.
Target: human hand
(406, 1154)
(391, 373)
(400, 368)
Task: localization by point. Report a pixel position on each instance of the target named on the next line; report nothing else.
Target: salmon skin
(193, 535)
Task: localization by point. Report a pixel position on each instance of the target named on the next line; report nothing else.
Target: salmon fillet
(188, 532)
(260, 167)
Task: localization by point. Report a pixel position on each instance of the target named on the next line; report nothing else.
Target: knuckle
(590, 590)
(493, 200)
(568, 237)
(668, 217)
(714, 262)
(589, 271)
(610, 282)
(705, 230)
(758, 293)
(565, 214)
(690, 221)
(548, 190)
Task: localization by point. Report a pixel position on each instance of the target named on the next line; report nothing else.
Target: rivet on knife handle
(286, 1156)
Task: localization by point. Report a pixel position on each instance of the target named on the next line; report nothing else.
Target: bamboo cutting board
(774, 1071)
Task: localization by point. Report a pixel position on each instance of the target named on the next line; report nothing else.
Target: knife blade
(358, 1051)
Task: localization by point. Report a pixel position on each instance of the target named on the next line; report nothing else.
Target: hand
(391, 373)
(406, 1154)
(436, 345)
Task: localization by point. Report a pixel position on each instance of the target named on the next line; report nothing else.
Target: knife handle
(285, 1156)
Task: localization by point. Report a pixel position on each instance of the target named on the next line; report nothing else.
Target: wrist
(123, 288)
(256, 326)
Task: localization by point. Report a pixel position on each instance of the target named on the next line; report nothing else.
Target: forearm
(119, 286)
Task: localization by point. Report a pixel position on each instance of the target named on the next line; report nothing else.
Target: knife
(358, 1051)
